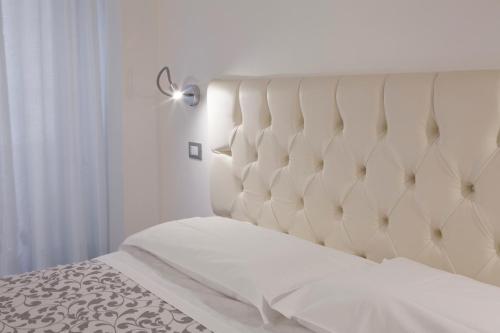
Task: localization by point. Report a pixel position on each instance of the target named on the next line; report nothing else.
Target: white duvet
(396, 296)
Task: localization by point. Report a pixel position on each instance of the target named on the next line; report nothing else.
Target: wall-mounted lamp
(190, 93)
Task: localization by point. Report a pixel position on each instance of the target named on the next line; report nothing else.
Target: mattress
(125, 291)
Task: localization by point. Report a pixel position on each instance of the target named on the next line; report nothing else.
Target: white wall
(140, 115)
(202, 40)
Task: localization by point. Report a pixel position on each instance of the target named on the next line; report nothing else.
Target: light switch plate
(195, 150)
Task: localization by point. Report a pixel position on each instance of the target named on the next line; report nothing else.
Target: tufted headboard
(378, 165)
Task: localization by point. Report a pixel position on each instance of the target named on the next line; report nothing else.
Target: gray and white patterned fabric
(89, 296)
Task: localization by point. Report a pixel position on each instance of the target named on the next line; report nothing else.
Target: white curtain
(59, 131)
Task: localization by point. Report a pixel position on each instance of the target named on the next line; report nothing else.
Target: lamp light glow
(177, 94)
(189, 94)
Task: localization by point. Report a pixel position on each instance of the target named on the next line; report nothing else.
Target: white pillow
(398, 295)
(252, 264)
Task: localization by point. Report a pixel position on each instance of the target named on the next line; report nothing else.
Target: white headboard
(378, 165)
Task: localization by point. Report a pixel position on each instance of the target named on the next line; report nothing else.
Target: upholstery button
(383, 129)
(384, 222)
(301, 122)
(435, 130)
(437, 235)
(268, 195)
(301, 202)
(340, 125)
(362, 172)
(286, 160)
(321, 242)
(467, 189)
(432, 130)
(319, 165)
(340, 211)
(362, 255)
(411, 179)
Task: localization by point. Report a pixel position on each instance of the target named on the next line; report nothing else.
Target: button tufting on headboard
(375, 165)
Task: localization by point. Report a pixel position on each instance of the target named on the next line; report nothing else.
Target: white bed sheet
(210, 308)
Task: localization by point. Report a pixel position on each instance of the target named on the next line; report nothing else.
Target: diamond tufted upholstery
(379, 165)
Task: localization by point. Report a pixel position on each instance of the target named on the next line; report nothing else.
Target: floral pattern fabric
(89, 296)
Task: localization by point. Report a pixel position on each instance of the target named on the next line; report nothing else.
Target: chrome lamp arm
(190, 94)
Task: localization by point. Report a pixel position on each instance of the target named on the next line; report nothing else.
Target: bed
(371, 167)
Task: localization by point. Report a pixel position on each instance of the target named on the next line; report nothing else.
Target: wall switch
(195, 150)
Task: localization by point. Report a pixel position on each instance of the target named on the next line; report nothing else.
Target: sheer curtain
(59, 131)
